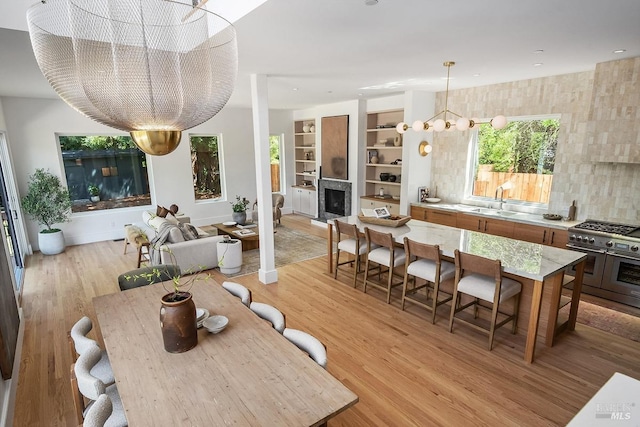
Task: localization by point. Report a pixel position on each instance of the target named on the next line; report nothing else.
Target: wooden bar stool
(427, 265)
(481, 278)
(387, 255)
(354, 245)
(135, 236)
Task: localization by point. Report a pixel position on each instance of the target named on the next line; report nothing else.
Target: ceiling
(326, 51)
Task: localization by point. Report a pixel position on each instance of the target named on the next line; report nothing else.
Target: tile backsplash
(604, 191)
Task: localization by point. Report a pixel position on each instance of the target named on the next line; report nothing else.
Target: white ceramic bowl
(432, 200)
(215, 324)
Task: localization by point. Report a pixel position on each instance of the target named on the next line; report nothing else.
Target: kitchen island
(540, 268)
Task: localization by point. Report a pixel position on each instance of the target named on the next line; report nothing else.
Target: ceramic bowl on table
(215, 324)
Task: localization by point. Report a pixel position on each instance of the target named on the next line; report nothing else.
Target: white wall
(3, 125)
(33, 123)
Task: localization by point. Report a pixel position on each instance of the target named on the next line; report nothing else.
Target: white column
(260, 105)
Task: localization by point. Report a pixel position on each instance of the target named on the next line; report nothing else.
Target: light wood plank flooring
(405, 370)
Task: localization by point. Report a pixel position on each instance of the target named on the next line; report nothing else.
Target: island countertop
(531, 260)
(537, 266)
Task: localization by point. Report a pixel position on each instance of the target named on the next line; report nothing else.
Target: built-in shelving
(305, 152)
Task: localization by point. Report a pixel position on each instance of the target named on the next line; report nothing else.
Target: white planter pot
(95, 198)
(229, 256)
(51, 243)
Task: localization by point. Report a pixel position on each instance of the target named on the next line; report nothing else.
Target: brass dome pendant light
(152, 68)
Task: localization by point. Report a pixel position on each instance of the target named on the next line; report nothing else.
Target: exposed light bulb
(428, 149)
(439, 125)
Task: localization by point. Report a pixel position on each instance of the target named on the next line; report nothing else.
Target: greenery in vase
(179, 287)
(240, 205)
(47, 202)
(93, 190)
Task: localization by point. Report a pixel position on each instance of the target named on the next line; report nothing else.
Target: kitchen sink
(488, 211)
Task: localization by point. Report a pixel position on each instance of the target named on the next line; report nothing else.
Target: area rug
(290, 246)
(606, 319)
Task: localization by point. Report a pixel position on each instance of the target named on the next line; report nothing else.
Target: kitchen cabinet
(540, 234)
(383, 152)
(435, 216)
(496, 227)
(305, 151)
(304, 201)
(368, 202)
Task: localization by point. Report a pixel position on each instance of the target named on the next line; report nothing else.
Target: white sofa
(191, 255)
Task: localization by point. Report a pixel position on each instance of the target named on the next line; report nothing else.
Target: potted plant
(47, 202)
(94, 193)
(239, 210)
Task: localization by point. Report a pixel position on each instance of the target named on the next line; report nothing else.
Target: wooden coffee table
(248, 242)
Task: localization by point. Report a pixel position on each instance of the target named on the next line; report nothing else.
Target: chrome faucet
(501, 196)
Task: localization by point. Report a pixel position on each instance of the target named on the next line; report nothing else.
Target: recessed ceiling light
(371, 2)
(476, 75)
(537, 64)
(329, 91)
(619, 50)
(294, 89)
(538, 51)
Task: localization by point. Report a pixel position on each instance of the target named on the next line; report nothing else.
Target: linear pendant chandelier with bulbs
(440, 124)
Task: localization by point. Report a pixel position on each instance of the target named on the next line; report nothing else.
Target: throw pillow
(156, 222)
(189, 232)
(175, 235)
(172, 219)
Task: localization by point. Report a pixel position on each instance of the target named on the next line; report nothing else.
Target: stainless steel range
(612, 270)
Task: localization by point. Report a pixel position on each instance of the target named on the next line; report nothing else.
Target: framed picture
(423, 194)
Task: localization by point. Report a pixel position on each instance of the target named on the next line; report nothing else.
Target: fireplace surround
(330, 207)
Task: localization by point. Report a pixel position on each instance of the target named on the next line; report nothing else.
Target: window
(205, 166)
(276, 171)
(104, 172)
(518, 159)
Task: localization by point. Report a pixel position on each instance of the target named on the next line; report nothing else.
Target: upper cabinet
(383, 160)
(615, 111)
(304, 132)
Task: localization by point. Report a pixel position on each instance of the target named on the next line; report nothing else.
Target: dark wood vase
(178, 322)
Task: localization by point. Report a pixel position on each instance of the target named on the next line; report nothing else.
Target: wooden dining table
(537, 266)
(246, 375)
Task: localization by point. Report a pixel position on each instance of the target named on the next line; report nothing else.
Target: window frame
(63, 177)
(223, 182)
(472, 164)
(281, 154)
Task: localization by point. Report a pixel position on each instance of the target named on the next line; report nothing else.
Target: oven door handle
(617, 255)
(581, 249)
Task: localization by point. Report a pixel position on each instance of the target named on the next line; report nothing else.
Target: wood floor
(405, 370)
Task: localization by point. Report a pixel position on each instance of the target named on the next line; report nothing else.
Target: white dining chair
(355, 245)
(80, 343)
(91, 387)
(309, 344)
(236, 289)
(99, 412)
(269, 313)
(387, 254)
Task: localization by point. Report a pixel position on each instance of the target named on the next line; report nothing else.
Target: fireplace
(334, 199)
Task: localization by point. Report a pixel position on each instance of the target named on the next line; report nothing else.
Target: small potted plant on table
(239, 210)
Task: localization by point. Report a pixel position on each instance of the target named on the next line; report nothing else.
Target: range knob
(579, 238)
(592, 240)
(634, 248)
(609, 244)
(572, 237)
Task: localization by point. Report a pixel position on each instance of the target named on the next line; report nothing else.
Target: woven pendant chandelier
(149, 67)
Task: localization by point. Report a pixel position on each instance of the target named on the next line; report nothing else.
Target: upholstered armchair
(277, 202)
